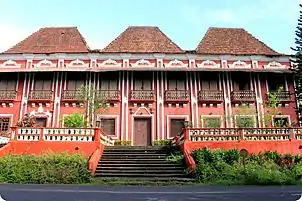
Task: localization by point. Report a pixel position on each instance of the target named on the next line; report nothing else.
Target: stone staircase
(139, 163)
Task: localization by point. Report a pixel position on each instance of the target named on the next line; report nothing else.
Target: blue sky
(184, 21)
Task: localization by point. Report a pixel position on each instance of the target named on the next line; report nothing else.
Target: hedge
(227, 167)
(46, 169)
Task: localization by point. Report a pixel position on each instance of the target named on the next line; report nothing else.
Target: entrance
(41, 122)
(142, 132)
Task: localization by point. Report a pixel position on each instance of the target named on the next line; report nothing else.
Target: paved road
(101, 193)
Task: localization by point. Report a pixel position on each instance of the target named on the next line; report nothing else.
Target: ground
(186, 193)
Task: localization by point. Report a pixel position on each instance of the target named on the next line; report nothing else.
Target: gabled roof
(142, 39)
(52, 40)
(234, 41)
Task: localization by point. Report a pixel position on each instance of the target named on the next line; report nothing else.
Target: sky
(184, 21)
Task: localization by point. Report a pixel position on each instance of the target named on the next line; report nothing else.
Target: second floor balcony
(142, 95)
(8, 95)
(177, 95)
(109, 95)
(41, 95)
(70, 95)
(243, 96)
(282, 96)
(210, 96)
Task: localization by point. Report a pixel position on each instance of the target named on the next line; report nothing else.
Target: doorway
(142, 132)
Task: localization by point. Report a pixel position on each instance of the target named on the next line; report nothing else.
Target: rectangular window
(211, 122)
(176, 125)
(245, 121)
(108, 126)
(4, 124)
(281, 122)
(41, 122)
(75, 80)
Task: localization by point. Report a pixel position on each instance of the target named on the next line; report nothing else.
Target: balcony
(70, 95)
(142, 95)
(210, 96)
(109, 95)
(40, 95)
(243, 96)
(177, 95)
(8, 95)
(282, 96)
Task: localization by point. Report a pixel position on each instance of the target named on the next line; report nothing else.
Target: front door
(142, 132)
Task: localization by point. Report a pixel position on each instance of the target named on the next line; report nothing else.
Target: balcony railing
(111, 95)
(208, 96)
(281, 95)
(177, 95)
(142, 95)
(244, 95)
(8, 95)
(70, 94)
(40, 95)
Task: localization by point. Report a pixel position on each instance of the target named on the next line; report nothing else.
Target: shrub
(162, 142)
(46, 169)
(269, 168)
(74, 121)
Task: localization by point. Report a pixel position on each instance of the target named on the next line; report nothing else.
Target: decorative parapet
(61, 134)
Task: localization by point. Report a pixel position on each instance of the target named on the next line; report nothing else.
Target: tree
(296, 66)
(95, 103)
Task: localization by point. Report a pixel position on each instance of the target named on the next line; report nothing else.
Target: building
(151, 84)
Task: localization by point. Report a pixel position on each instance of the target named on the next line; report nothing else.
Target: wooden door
(142, 132)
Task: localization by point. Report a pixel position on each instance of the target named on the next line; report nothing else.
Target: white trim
(40, 113)
(117, 123)
(176, 63)
(45, 64)
(11, 116)
(150, 116)
(168, 124)
(252, 116)
(202, 117)
(126, 102)
(122, 130)
(208, 64)
(142, 63)
(281, 116)
(59, 97)
(77, 63)
(274, 64)
(10, 64)
(239, 64)
(109, 63)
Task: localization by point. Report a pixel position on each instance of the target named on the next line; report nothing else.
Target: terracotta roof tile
(234, 41)
(142, 39)
(52, 40)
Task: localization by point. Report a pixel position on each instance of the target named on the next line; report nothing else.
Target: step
(140, 148)
(138, 157)
(141, 175)
(146, 168)
(136, 151)
(135, 154)
(131, 160)
(136, 165)
(138, 180)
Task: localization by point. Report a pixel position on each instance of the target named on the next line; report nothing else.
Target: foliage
(75, 120)
(27, 122)
(95, 103)
(212, 122)
(162, 142)
(272, 108)
(176, 157)
(297, 64)
(217, 166)
(244, 116)
(122, 142)
(46, 169)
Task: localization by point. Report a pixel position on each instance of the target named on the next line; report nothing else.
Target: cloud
(11, 34)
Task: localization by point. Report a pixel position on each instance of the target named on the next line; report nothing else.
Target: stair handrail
(105, 139)
(179, 138)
